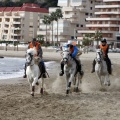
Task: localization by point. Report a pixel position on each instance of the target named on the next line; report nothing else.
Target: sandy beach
(92, 103)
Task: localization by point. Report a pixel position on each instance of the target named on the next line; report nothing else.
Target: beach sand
(16, 102)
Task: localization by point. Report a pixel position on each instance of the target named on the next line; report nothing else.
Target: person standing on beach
(41, 64)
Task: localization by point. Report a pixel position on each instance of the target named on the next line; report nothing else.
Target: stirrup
(81, 73)
(24, 76)
(44, 75)
(61, 73)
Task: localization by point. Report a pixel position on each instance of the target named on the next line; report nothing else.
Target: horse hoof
(32, 94)
(77, 90)
(67, 91)
(109, 84)
(37, 83)
(41, 91)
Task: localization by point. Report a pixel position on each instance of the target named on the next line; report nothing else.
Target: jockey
(74, 51)
(37, 45)
(104, 47)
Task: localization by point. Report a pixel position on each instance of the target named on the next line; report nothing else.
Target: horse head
(99, 56)
(66, 56)
(30, 56)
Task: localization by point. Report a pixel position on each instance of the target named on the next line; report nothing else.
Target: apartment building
(20, 23)
(106, 19)
(75, 13)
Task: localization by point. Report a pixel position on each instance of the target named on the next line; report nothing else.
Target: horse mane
(31, 51)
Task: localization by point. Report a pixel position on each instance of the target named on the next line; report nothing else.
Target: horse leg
(33, 90)
(33, 85)
(99, 77)
(42, 84)
(78, 82)
(67, 80)
(107, 80)
(69, 83)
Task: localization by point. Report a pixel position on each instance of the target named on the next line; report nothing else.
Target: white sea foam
(14, 67)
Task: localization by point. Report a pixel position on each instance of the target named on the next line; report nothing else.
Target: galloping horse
(33, 71)
(70, 70)
(101, 68)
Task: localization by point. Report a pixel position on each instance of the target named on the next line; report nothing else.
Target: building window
(72, 37)
(90, 14)
(81, 25)
(91, 8)
(77, 25)
(86, 13)
(91, 2)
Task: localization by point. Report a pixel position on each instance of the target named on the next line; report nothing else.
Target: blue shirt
(75, 51)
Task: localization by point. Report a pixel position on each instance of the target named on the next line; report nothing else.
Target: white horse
(33, 71)
(70, 71)
(101, 68)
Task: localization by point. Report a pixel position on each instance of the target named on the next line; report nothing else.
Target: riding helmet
(103, 40)
(34, 39)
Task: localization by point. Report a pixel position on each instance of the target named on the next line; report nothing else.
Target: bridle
(66, 58)
(31, 58)
(99, 59)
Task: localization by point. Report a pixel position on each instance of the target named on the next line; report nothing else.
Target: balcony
(70, 16)
(102, 19)
(83, 9)
(70, 9)
(101, 25)
(74, 21)
(107, 6)
(16, 22)
(107, 12)
(43, 32)
(79, 3)
(118, 34)
(16, 28)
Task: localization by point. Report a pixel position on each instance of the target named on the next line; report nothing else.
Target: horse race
(60, 60)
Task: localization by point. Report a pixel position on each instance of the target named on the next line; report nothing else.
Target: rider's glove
(71, 55)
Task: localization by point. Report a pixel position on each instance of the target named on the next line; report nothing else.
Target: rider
(104, 47)
(37, 45)
(74, 51)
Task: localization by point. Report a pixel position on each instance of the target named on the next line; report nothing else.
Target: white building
(75, 13)
(106, 19)
(20, 23)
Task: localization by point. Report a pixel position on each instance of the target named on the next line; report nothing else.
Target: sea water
(14, 67)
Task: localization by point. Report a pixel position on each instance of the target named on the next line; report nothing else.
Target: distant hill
(18, 3)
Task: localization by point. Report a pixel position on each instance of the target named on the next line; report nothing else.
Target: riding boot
(108, 62)
(24, 76)
(42, 69)
(79, 69)
(62, 69)
(93, 69)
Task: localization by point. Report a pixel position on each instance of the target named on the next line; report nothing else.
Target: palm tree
(52, 18)
(87, 39)
(98, 36)
(58, 15)
(46, 21)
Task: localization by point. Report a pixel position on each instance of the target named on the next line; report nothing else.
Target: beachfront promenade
(51, 54)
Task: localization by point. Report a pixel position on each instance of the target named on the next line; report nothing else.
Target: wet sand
(90, 104)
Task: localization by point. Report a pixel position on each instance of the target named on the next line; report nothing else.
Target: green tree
(46, 21)
(40, 38)
(87, 39)
(52, 18)
(98, 36)
(49, 3)
(58, 15)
